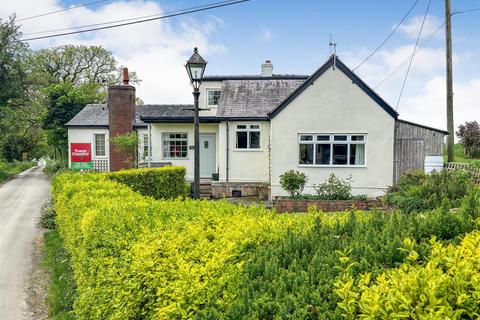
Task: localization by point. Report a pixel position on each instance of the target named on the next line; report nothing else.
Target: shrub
(293, 182)
(127, 143)
(416, 192)
(446, 287)
(47, 220)
(159, 183)
(52, 167)
(335, 188)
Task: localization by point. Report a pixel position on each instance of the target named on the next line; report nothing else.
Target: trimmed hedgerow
(137, 258)
(159, 183)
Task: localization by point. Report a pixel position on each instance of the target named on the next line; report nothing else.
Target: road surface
(21, 202)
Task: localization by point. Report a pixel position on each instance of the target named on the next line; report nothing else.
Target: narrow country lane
(21, 202)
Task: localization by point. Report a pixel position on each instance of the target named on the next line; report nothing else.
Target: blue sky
(293, 34)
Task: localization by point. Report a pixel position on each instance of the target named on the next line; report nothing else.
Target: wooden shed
(413, 142)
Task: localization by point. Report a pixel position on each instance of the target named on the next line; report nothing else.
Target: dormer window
(213, 96)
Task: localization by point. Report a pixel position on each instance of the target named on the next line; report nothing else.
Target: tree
(64, 101)
(469, 134)
(12, 57)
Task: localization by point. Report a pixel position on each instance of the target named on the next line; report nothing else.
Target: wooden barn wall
(412, 144)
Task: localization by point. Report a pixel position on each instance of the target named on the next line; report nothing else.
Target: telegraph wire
(409, 57)
(184, 12)
(388, 37)
(122, 20)
(62, 10)
(413, 54)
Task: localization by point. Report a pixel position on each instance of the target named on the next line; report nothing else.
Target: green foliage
(159, 183)
(64, 102)
(134, 257)
(128, 143)
(336, 189)
(52, 167)
(416, 192)
(12, 168)
(61, 290)
(293, 182)
(137, 258)
(446, 287)
(47, 220)
(469, 134)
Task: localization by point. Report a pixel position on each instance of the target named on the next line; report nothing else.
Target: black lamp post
(195, 68)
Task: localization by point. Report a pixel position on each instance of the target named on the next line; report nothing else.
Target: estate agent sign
(81, 156)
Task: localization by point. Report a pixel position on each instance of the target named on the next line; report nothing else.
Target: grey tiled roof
(256, 77)
(97, 114)
(91, 115)
(253, 98)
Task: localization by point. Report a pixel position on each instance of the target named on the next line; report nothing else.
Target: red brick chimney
(121, 116)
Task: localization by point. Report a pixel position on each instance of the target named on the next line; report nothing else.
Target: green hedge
(134, 257)
(159, 183)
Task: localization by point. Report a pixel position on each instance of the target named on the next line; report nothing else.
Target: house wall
(202, 103)
(244, 165)
(80, 135)
(412, 144)
(157, 149)
(333, 104)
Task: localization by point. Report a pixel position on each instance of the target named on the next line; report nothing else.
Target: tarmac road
(21, 202)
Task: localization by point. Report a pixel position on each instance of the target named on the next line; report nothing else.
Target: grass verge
(61, 289)
(10, 169)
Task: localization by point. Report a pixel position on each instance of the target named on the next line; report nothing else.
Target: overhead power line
(398, 67)
(123, 20)
(179, 13)
(413, 54)
(388, 37)
(62, 10)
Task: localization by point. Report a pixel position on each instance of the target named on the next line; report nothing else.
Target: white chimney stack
(267, 68)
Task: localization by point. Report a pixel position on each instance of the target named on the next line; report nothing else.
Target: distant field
(459, 155)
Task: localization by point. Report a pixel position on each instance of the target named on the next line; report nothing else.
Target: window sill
(176, 158)
(329, 166)
(247, 150)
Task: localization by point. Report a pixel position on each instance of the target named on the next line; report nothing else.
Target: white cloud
(423, 99)
(412, 27)
(156, 50)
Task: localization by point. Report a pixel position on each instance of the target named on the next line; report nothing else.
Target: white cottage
(258, 127)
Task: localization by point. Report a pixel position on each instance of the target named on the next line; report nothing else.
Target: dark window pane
(323, 154)
(340, 138)
(340, 154)
(357, 154)
(241, 140)
(254, 140)
(323, 138)
(357, 138)
(306, 153)
(305, 137)
(242, 126)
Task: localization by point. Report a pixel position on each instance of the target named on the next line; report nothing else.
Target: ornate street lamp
(195, 68)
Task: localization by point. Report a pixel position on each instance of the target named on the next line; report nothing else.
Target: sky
(293, 34)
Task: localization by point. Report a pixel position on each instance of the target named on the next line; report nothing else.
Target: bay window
(247, 136)
(332, 149)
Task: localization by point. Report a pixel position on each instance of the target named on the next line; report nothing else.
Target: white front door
(207, 155)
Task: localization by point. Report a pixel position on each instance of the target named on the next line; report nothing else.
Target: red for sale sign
(81, 156)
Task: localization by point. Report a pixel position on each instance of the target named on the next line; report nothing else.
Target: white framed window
(145, 145)
(100, 145)
(213, 95)
(247, 137)
(325, 149)
(175, 145)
